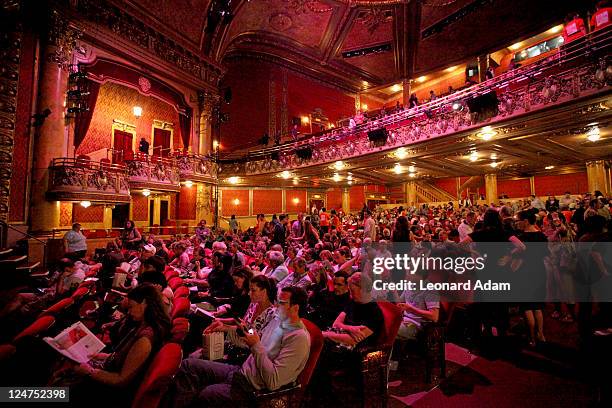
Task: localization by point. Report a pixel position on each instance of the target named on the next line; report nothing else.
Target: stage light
(285, 174)
(401, 153)
(233, 180)
(146, 192)
(188, 183)
(593, 134)
(549, 167)
(397, 169)
(137, 111)
(85, 204)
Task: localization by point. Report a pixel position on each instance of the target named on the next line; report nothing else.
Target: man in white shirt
(369, 226)
(537, 203)
(467, 226)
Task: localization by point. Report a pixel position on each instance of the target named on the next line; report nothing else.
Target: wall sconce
(146, 192)
(188, 183)
(296, 201)
(236, 201)
(85, 204)
(305, 120)
(137, 111)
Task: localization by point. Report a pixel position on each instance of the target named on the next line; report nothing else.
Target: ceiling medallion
(374, 17)
(280, 22)
(144, 84)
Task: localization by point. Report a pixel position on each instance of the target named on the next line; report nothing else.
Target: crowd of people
(257, 284)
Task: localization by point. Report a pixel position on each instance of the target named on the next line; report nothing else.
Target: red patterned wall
(65, 213)
(93, 214)
(370, 102)
(397, 194)
(447, 184)
(140, 207)
(117, 102)
(334, 199)
(514, 188)
(267, 201)
(356, 197)
(227, 202)
(575, 183)
(173, 208)
(187, 203)
(20, 165)
(290, 205)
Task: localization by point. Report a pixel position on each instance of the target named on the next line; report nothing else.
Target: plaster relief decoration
(305, 6)
(64, 37)
(374, 17)
(144, 84)
(280, 22)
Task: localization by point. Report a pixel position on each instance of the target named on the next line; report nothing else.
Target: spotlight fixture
(336, 177)
(233, 180)
(397, 169)
(473, 156)
(350, 177)
(339, 165)
(137, 111)
(457, 106)
(486, 133)
(146, 192)
(285, 174)
(85, 204)
(411, 169)
(593, 134)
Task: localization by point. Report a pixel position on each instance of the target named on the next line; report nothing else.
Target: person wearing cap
(75, 243)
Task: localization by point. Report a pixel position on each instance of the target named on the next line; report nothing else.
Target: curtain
(185, 126)
(83, 119)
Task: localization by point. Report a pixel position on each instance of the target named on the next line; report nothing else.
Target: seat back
(180, 308)
(158, 376)
(40, 325)
(316, 345)
(59, 307)
(180, 330)
(171, 273)
(393, 319)
(175, 283)
(80, 292)
(182, 291)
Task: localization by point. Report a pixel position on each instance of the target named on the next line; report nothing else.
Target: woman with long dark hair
(401, 230)
(310, 235)
(130, 237)
(140, 334)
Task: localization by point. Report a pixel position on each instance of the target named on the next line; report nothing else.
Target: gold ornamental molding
(9, 60)
(160, 124)
(123, 126)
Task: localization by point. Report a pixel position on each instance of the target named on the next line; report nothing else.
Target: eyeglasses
(282, 302)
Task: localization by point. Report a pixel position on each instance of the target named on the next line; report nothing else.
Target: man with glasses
(299, 277)
(276, 360)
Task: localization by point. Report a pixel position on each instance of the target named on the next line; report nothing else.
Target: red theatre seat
(59, 307)
(180, 329)
(80, 292)
(175, 283)
(159, 375)
(180, 308)
(181, 291)
(393, 319)
(41, 325)
(169, 274)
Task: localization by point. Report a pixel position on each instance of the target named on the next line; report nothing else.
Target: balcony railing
(153, 172)
(196, 168)
(79, 179)
(572, 72)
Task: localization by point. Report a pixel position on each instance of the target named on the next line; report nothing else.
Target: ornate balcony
(153, 172)
(579, 70)
(77, 179)
(196, 168)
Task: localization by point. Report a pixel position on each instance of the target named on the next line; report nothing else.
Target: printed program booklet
(76, 342)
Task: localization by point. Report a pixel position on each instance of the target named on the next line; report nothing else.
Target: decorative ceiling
(312, 35)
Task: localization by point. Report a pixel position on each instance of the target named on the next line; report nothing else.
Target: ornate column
(411, 196)
(598, 176)
(50, 139)
(346, 200)
(203, 203)
(490, 188)
(406, 92)
(483, 64)
(206, 103)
